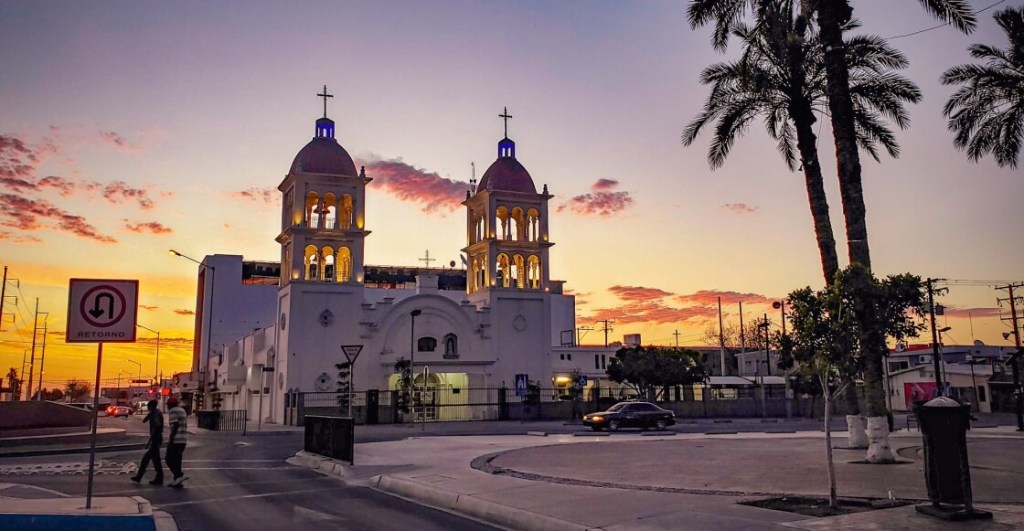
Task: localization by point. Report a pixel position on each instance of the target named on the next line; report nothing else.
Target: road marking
(314, 515)
(249, 496)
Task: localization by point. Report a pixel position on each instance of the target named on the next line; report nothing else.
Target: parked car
(119, 411)
(641, 415)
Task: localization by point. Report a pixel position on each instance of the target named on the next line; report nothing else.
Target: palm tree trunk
(856, 433)
(832, 14)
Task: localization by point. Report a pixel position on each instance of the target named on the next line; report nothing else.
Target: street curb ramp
(42, 515)
(488, 511)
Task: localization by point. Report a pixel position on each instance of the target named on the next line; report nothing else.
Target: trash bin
(943, 422)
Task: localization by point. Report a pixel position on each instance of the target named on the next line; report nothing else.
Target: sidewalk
(686, 481)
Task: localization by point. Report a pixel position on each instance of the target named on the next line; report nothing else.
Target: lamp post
(412, 358)
(119, 371)
(213, 280)
(942, 358)
(156, 368)
(781, 306)
(140, 367)
(974, 383)
(935, 339)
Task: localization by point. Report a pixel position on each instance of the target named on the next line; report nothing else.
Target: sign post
(100, 311)
(351, 353)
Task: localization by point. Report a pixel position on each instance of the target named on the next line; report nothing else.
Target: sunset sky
(130, 128)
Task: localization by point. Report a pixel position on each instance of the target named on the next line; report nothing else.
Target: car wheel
(660, 424)
(613, 425)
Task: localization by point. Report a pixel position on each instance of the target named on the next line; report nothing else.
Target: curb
(465, 504)
(30, 518)
(77, 450)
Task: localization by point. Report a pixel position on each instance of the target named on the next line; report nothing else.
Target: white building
(262, 342)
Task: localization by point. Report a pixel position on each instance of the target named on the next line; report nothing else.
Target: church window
(517, 272)
(502, 215)
(451, 347)
(312, 216)
(532, 224)
(426, 344)
(346, 212)
(518, 230)
(330, 210)
(344, 265)
(312, 263)
(533, 272)
(328, 260)
(502, 271)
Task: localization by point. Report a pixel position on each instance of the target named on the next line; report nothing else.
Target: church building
(258, 344)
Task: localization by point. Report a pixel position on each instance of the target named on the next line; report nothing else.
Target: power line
(982, 10)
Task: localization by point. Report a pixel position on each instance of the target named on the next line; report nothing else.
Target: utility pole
(1018, 399)
(42, 360)
(3, 297)
(721, 340)
(579, 337)
(607, 328)
(677, 337)
(32, 360)
(937, 366)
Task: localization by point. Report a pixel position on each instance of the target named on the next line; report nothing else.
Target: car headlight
(597, 418)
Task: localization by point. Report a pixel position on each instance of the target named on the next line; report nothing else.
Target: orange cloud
(149, 308)
(152, 227)
(637, 293)
(184, 311)
(117, 192)
(710, 297)
(407, 183)
(739, 208)
(952, 311)
(601, 202)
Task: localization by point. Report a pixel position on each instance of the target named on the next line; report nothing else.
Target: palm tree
(833, 18)
(780, 77)
(987, 112)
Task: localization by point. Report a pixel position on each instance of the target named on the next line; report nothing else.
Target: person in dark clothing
(156, 439)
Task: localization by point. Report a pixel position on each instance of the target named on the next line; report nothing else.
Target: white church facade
(259, 344)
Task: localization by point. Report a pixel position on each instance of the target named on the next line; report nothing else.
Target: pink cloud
(971, 312)
(28, 214)
(117, 192)
(152, 227)
(739, 208)
(603, 201)
(119, 142)
(27, 239)
(407, 183)
(267, 196)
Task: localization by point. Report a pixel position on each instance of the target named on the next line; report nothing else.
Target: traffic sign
(102, 311)
(583, 380)
(351, 352)
(521, 384)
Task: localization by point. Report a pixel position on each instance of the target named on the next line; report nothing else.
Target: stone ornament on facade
(326, 318)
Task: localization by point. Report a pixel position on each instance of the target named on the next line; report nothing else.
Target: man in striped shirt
(178, 420)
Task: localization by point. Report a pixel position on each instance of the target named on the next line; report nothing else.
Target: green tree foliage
(648, 369)
(987, 111)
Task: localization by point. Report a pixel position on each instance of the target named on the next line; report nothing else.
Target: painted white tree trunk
(879, 450)
(855, 428)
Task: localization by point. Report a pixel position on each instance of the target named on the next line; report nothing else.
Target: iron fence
(221, 419)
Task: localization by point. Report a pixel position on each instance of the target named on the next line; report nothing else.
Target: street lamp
(156, 369)
(781, 305)
(119, 371)
(412, 358)
(213, 280)
(140, 367)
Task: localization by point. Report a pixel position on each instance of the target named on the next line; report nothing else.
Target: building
(463, 332)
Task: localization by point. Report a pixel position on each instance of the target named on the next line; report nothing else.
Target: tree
(648, 369)
(987, 111)
(833, 17)
(404, 369)
(77, 390)
(730, 334)
(14, 384)
(344, 385)
(781, 77)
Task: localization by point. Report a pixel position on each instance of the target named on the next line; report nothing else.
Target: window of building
(426, 344)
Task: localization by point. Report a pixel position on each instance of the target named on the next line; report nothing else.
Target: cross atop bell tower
(325, 95)
(504, 116)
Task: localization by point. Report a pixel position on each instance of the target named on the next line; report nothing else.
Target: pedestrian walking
(155, 418)
(178, 420)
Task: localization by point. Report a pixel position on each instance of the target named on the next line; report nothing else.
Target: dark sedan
(630, 415)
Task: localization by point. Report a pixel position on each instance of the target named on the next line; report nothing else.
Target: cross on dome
(427, 259)
(325, 95)
(505, 116)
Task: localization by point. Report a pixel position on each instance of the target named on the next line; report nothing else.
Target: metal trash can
(943, 423)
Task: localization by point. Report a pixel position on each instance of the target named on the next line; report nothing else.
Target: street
(236, 483)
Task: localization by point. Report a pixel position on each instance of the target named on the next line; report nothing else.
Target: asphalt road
(237, 483)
